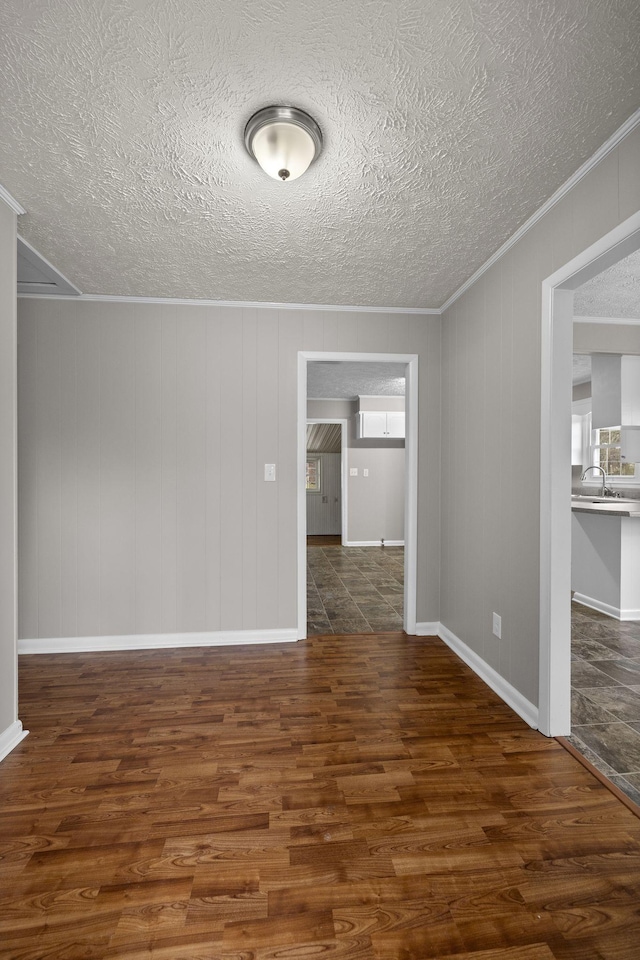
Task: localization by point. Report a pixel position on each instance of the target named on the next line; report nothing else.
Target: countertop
(612, 507)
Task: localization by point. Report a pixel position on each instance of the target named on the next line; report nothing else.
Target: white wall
(491, 423)
(144, 430)
(10, 727)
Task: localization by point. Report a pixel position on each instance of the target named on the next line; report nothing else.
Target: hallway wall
(144, 430)
(491, 404)
(375, 504)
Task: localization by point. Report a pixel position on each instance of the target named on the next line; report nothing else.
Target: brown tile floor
(353, 589)
(605, 695)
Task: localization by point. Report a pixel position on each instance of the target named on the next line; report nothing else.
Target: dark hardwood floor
(344, 798)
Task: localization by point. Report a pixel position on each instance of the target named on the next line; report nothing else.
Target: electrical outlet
(497, 626)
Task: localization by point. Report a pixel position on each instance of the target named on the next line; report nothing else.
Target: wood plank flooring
(344, 798)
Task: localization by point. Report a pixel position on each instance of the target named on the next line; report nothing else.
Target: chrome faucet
(594, 466)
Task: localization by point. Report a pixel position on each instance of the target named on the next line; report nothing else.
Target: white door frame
(554, 703)
(411, 476)
(344, 515)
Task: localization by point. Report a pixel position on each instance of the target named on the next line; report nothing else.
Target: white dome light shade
(283, 146)
(283, 140)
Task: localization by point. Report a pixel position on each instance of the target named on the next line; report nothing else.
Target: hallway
(353, 589)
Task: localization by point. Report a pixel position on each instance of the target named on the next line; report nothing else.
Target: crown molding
(11, 201)
(619, 321)
(575, 178)
(242, 304)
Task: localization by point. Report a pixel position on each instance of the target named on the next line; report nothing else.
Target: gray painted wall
(143, 433)
(375, 503)
(491, 423)
(326, 517)
(8, 657)
(606, 337)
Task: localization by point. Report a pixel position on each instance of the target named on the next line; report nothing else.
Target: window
(605, 451)
(313, 474)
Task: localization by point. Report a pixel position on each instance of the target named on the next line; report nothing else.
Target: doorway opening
(404, 539)
(554, 714)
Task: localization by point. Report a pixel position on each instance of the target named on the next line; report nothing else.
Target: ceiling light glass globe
(283, 148)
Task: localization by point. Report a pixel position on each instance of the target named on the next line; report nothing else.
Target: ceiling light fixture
(284, 141)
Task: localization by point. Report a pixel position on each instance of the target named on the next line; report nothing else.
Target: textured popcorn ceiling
(613, 293)
(347, 380)
(446, 124)
(581, 368)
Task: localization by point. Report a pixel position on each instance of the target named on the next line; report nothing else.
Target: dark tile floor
(354, 589)
(605, 695)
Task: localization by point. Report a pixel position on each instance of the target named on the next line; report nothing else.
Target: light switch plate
(365, 472)
(353, 471)
(269, 471)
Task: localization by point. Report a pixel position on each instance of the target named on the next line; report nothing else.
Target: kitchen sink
(587, 499)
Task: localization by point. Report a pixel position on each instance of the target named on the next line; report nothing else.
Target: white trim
(562, 191)
(242, 304)
(11, 737)
(155, 641)
(508, 693)
(555, 469)
(11, 202)
(33, 256)
(411, 477)
(344, 471)
(619, 321)
(381, 396)
(512, 697)
(610, 611)
(411, 498)
(374, 543)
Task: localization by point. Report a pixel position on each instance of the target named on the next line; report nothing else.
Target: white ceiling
(613, 293)
(446, 124)
(581, 368)
(347, 380)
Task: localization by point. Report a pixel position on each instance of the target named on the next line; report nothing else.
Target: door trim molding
(554, 702)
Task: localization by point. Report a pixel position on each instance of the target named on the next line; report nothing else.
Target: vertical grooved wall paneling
(491, 423)
(144, 431)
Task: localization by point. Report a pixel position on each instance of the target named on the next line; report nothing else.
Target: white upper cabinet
(378, 423)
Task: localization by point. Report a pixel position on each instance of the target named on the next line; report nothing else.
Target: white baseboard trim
(610, 611)
(492, 678)
(11, 737)
(155, 641)
(372, 543)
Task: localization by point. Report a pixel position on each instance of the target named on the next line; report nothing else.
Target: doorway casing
(411, 476)
(554, 693)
